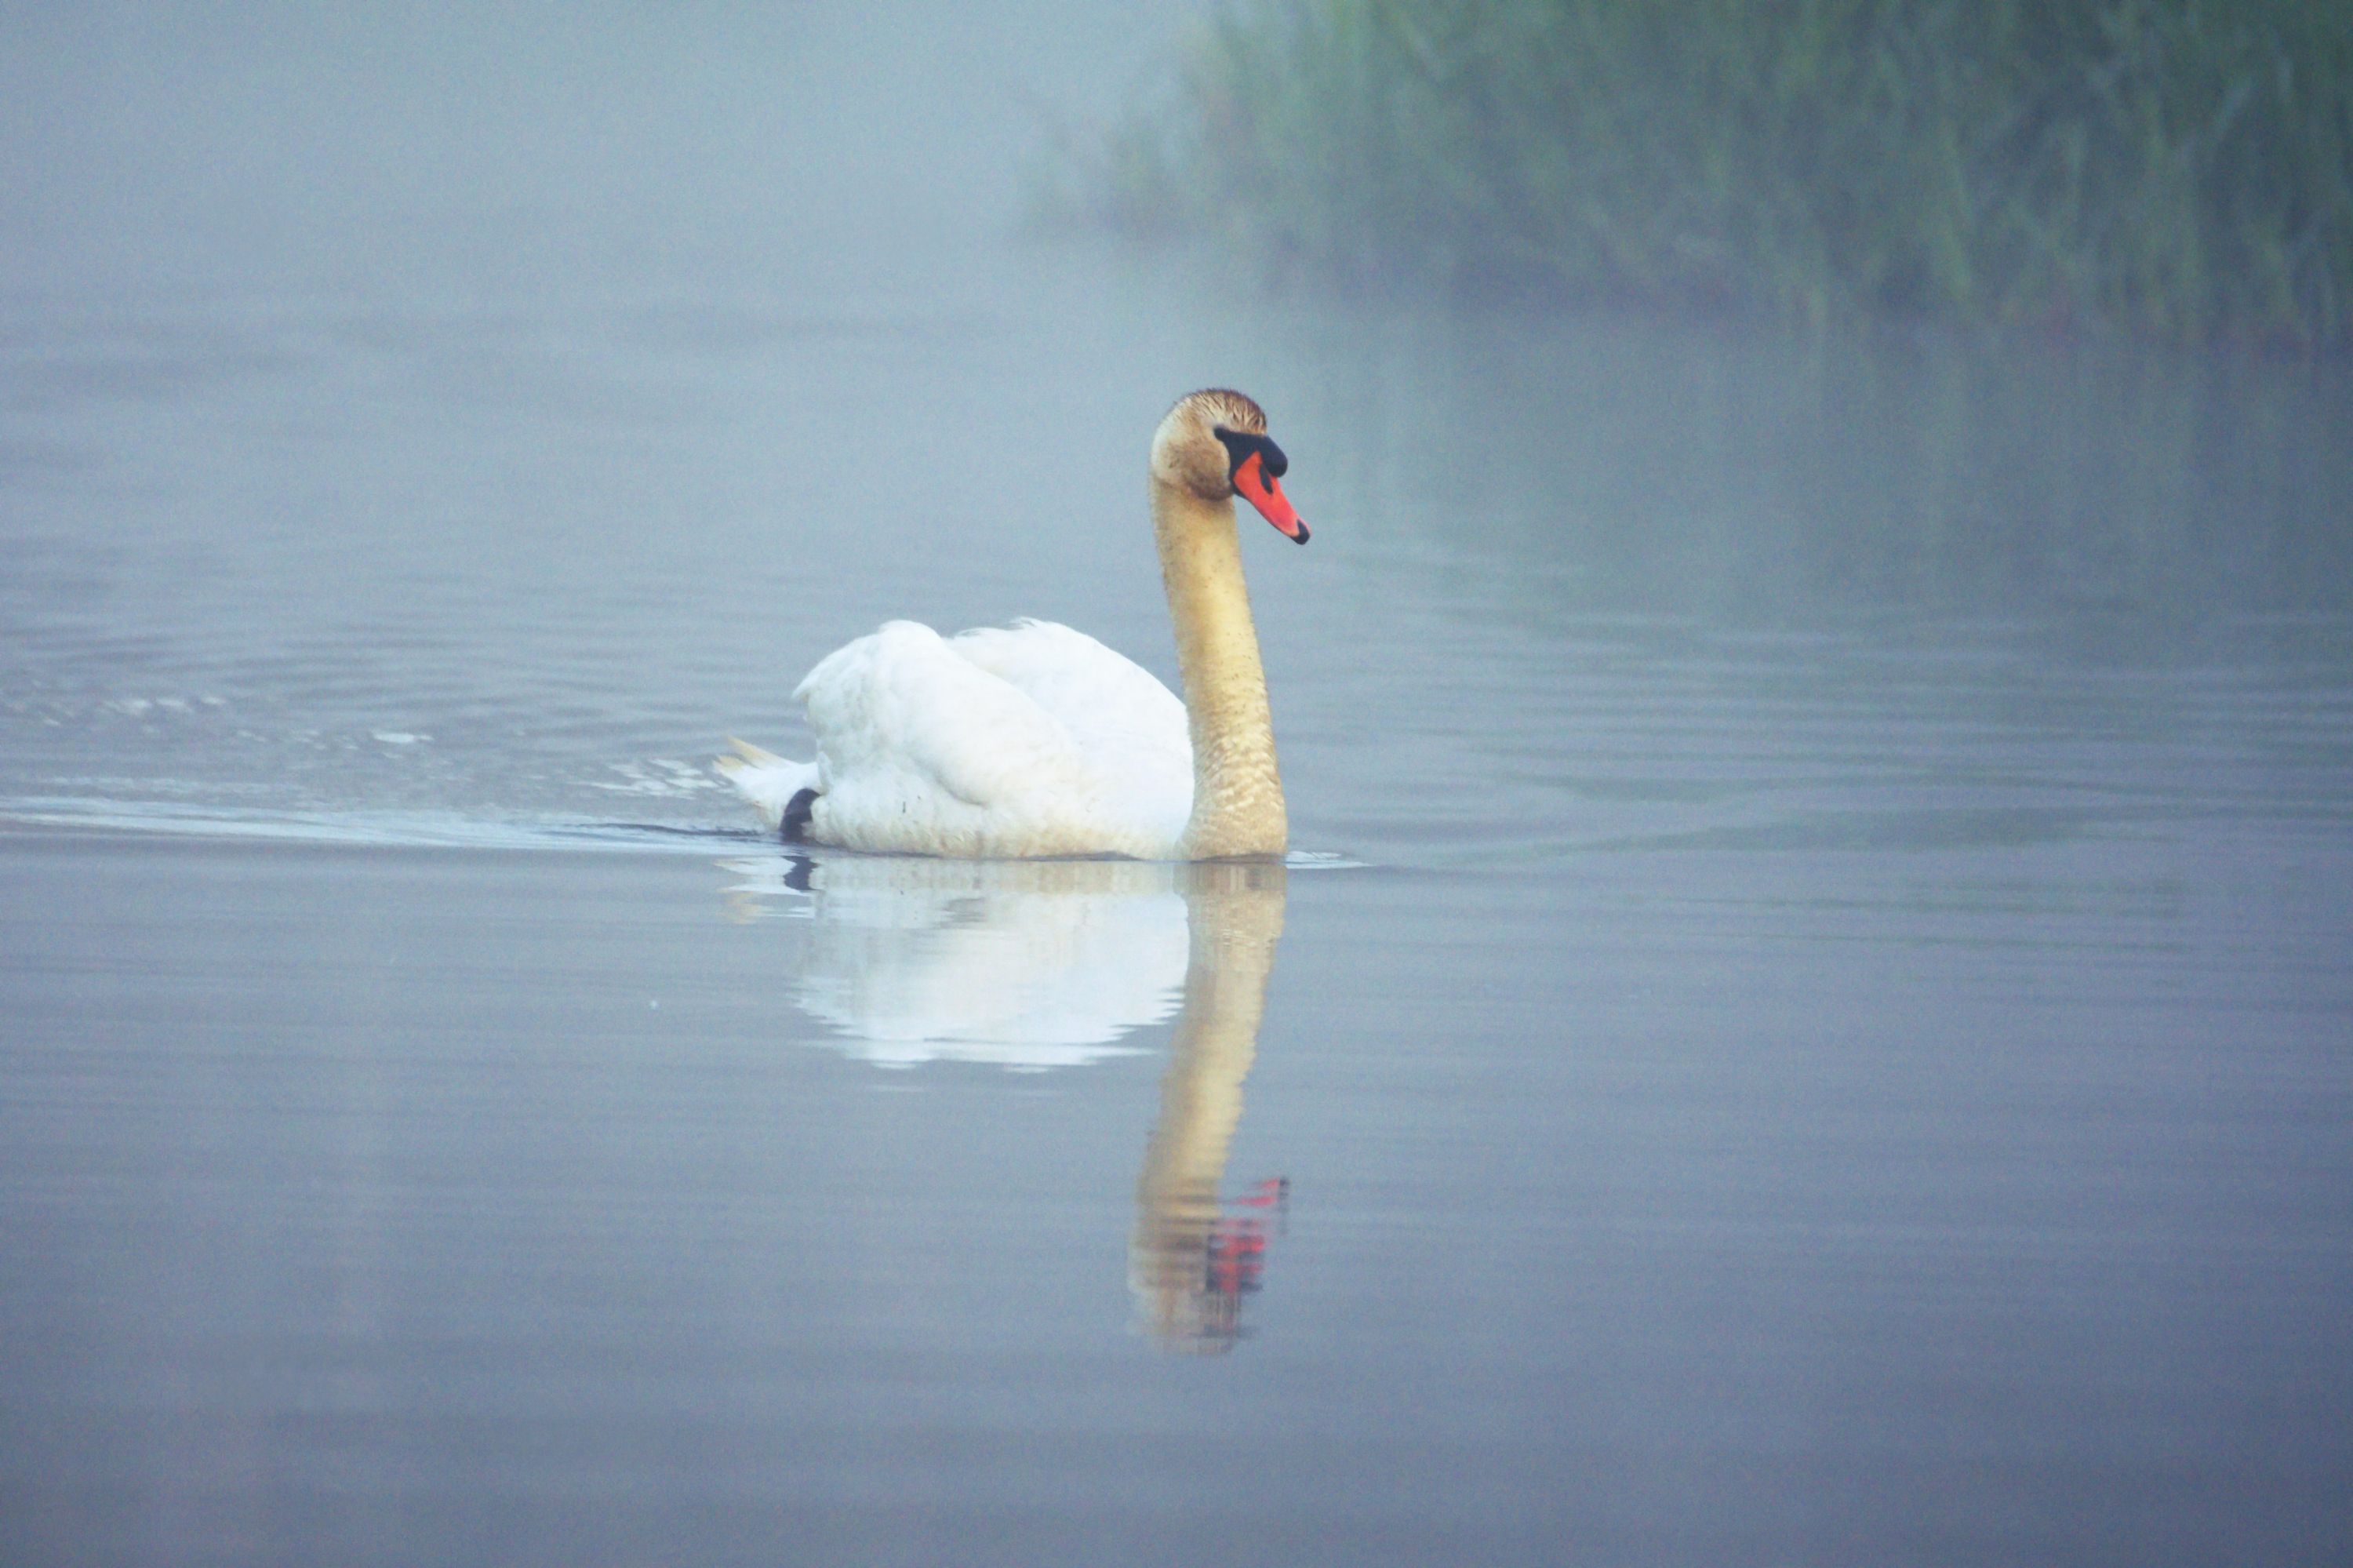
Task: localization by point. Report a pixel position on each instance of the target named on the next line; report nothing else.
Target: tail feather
(766, 779)
(746, 755)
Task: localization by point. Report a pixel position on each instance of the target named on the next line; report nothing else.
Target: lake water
(1807, 1021)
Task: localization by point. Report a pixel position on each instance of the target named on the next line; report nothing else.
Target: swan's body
(1001, 742)
(1037, 740)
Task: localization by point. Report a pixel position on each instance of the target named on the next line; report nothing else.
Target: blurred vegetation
(2183, 167)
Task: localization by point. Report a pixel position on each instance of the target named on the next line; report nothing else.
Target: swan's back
(1116, 711)
(1022, 741)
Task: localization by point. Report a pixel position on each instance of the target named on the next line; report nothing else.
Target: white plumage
(1001, 742)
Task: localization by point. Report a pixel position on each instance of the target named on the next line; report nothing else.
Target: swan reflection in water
(1191, 1261)
(1036, 965)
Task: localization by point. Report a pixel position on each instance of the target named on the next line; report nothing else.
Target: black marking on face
(1240, 444)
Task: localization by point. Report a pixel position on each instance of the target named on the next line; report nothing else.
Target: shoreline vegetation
(2178, 168)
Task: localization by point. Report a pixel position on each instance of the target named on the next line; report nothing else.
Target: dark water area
(1806, 1020)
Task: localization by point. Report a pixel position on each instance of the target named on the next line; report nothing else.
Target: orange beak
(1254, 484)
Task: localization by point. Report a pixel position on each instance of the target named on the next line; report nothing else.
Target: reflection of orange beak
(1252, 483)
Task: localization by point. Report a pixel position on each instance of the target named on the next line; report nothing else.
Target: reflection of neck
(1237, 789)
(1235, 915)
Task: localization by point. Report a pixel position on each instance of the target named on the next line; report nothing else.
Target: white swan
(1034, 739)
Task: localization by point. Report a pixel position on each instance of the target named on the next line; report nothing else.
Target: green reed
(2182, 166)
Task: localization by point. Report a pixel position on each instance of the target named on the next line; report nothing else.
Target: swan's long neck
(1237, 789)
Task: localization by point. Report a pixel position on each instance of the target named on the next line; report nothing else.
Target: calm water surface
(1808, 1022)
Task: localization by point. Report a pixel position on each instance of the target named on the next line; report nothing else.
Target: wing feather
(1027, 740)
(1130, 725)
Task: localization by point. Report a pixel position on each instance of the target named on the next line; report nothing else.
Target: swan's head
(1214, 444)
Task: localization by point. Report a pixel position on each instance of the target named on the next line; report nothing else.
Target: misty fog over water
(169, 155)
(1807, 1017)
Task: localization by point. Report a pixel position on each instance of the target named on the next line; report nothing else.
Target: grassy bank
(2181, 166)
